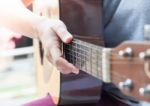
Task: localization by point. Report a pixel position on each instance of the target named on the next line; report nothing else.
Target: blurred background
(17, 75)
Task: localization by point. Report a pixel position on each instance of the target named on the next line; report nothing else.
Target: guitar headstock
(130, 69)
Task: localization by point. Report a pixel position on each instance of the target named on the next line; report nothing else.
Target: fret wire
(78, 64)
(69, 50)
(82, 59)
(84, 52)
(89, 44)
(75, 50)
(98, 50)
(97, 64)
(85, 44)
(70, 55)
(66, 50)
(101, 56)
(84, 63)
(75, 54)
(94, 61)
(67, 56)
(76, 41)
(87, 48)
(78, 48)
(78, 53)
(86, 59)
(90, 60)
(78, 59)
(74, 58)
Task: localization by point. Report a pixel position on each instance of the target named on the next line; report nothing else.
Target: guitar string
(91, 67)
(120, 60)
(78, 44)
(74, 57)
(115, 58)
(81, 60)
(78, 54)
(80, 66)
(114, 61)
(116, 76)
(98, 55)
(78, 50)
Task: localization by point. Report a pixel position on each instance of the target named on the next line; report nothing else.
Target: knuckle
(51, 43)
(62, 32)
(59, 24)
(48, 45)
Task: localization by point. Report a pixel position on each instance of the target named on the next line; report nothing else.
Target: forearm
(14, 15)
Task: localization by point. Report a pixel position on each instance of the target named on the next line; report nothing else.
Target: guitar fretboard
(85, 56)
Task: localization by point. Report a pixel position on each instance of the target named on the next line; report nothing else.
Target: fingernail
(68, 38)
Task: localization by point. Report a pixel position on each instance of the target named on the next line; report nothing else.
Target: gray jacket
(124, 20)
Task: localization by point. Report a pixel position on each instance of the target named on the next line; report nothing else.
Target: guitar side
(48, 77)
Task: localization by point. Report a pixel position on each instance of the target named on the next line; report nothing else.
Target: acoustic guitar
(127, 65)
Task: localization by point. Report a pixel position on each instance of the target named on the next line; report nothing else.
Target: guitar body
(72, 89)
(83, 19)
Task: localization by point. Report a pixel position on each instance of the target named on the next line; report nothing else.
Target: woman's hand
(51, 32)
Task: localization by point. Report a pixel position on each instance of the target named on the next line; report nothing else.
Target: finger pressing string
(65, 67)
(62, 32)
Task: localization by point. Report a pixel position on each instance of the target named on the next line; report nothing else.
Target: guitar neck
(127, 62)
(89, 58)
